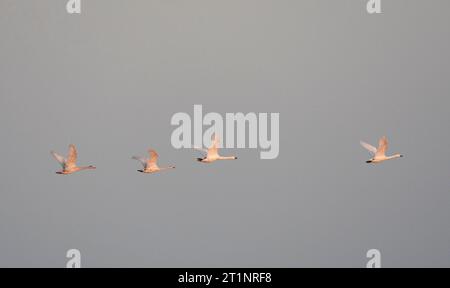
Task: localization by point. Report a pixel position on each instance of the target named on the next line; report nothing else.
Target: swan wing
(142, 160)
(214, 149)
(153, 161)
(72, 156)
(61, 160)
(204, 152)
(382, 147)
(369, 147)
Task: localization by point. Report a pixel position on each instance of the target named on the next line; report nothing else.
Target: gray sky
(110, 80)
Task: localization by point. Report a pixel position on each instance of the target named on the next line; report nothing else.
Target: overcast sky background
(110, 80)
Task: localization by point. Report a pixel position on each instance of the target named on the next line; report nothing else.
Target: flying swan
(150, 164)
(69, 165)
(212, 154)
(379, 154)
